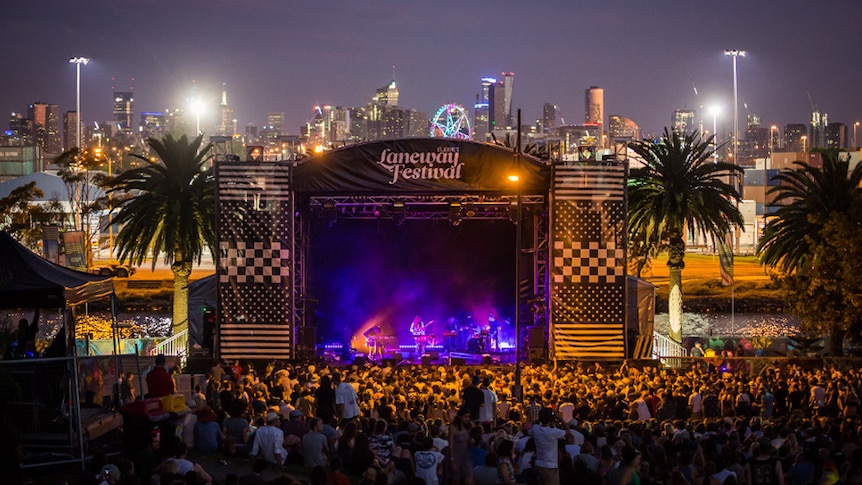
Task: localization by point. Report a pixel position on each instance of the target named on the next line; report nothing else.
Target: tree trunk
(675, 263)
(181, 272)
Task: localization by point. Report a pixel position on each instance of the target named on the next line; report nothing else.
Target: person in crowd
(159, 381)
(428, 462)
(315, 445)
(547, 436)
(269, 441)
(346, 399)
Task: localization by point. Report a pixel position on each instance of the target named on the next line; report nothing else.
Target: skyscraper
(793, 134)
(683, 121)
(482, 110)
(817, 129)
(273, 128)
(836, 135)
(46, 127)
(508, 89)
(123, 109)
(227, 123)
(70, 129)
(20, 130)
(549, 117)
(594, 106)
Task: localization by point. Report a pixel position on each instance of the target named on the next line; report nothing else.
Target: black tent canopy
(29, 281)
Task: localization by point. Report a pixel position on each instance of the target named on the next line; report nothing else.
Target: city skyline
(290, 58)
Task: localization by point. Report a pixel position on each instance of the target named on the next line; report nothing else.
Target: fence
(41, 399)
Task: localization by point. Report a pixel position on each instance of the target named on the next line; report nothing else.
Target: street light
(855, 145)
(735, 53)
(78, 61)
(714, 110)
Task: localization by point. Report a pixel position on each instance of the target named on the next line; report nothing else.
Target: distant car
(113, 269)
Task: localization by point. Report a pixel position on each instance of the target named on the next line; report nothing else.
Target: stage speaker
(487, 360)
(457, 361)
(360, 360)
(426, 360)
(537, 356)
(536, 337)
(397, 357)
(308, 338)
(434, 355)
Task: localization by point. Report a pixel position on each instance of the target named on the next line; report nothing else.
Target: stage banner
(588, 274)
(420, 165)
(255, 260)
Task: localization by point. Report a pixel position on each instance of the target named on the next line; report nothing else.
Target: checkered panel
(256, 262)
(588, 262)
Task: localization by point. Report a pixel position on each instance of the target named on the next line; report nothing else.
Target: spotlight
(470, 210)
(399, 213)
(455, 213)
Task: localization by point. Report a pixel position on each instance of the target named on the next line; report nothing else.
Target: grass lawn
(701, 281)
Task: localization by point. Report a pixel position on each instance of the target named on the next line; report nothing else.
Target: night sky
(279, 55)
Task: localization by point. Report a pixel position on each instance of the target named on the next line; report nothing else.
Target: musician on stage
(417, 329)
(374, 342)
(493, 332)
(451, 336)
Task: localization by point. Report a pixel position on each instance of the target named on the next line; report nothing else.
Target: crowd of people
(591, 424)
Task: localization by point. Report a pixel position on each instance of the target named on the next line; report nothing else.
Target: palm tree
(168, 211)
(804, 241)
(679, 186)
(806, 196)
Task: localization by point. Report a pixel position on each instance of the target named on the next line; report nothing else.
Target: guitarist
(417, 329)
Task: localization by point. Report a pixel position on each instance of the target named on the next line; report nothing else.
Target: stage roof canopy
(417, 165)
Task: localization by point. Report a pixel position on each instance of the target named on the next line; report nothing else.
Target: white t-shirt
(426, 465)
(346, 395)
(486, 412)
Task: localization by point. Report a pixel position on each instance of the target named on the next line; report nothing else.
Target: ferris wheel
(451, 121)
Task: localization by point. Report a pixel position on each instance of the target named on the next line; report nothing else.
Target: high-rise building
(46, 127)
(508, 81)
(226, 122)
(622, 127)
(417, 123)
(549, 117)
(251, 134)
(794, 135)
(387, 95)
(273, 129)
(152, 125)
(482, 113)
(123, 109)
(756, 143)
(594, 106)
(683, 121)
(836, 135)
(497, 114)
(20, 131)
(70, 129)
(817, 129)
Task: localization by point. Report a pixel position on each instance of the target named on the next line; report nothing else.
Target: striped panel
(588, 255)
(255, 260)
(594, 181)
(588, 340)
(254, 341)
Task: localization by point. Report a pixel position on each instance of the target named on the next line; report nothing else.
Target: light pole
(714, 110)
(78, 61)
(855, 145)
(735, 53)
